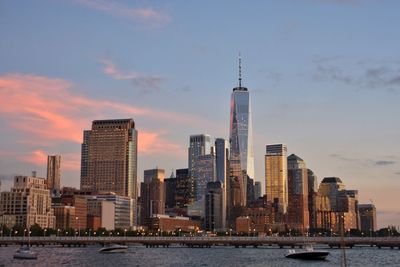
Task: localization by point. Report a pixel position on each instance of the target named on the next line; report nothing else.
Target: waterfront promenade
(206, 242)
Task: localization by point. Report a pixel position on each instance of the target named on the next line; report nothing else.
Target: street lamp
(230, 232)
(44, 232)
(125, 232)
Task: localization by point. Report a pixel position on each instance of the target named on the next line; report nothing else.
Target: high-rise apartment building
(276, 187)
(183, 190)
(241, 161)
(109, 158)
(152, 193)
(199, 145)
(298, 214)
(53, 173)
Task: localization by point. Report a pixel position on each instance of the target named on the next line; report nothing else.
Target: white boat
(308, 253)
(25, 253)
(114, 248)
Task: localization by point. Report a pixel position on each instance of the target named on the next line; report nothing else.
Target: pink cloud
(146, 15)
(45, 109)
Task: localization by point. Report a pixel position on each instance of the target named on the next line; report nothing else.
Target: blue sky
(324, 77)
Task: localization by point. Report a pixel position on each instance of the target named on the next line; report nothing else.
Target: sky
(324, 79)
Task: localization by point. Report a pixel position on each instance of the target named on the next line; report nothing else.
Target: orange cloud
(45, 109)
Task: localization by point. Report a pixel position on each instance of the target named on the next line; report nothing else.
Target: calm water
(181, 256)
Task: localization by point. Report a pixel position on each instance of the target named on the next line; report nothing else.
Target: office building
(204, 172)
(54, 173)
(152, 193)
(214, 208)
(170, 191)
(298, 214)
(241, 161)
(199, 145)
(109, 158)
(276, 187)
(183, 189)
(110, 211)
(312, 195)
(367, 217)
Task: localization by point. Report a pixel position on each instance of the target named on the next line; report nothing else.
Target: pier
(206, 242)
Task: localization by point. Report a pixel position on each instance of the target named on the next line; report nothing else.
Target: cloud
(143, 81)
(145, 15)
(365, 161)
(365, 74)
(397, 173)
(44, 109)
(384, 162)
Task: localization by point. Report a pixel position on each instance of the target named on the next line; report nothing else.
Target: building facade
(367, 217)
(215, 215)
(152, 193)
(298, 213)
(29, 201)
(276, 187)
(109, 158)
(241, 161)
(54, 173)
(199, 145)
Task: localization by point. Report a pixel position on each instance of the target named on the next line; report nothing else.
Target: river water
(182, 256)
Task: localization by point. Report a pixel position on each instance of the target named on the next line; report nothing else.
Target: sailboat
(25, 253)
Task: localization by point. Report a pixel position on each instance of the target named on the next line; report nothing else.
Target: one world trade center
(241, 142)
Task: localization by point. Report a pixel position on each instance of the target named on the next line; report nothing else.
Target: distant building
(214, 208)
(54, 173)
(166, 223)
(79, 202)
(199, 145)
(276, 187)
(222, 171)
(109, 158)
(257, 190)
(204, 172)
(241, 162)
(312, 195)
(152, 193)
(170, 191)
(183, 190)
(112, 211)
(336, 207)
(65, 217)
(298, 214)
(29, 201)
(368, 217)
(250, 191)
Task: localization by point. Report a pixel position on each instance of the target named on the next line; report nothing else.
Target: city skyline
(322, 91)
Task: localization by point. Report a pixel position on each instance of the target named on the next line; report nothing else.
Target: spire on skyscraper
(240, 70)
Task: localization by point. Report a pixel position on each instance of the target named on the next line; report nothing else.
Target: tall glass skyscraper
(241, 138)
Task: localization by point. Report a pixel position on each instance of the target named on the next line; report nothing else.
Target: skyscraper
(241, 139)
(298, 214)
(222, 170)
(152, 193)
(214, 210)
(199, 145)
(276, 187)
(53, 173)
(109, 158)
(203, 172)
